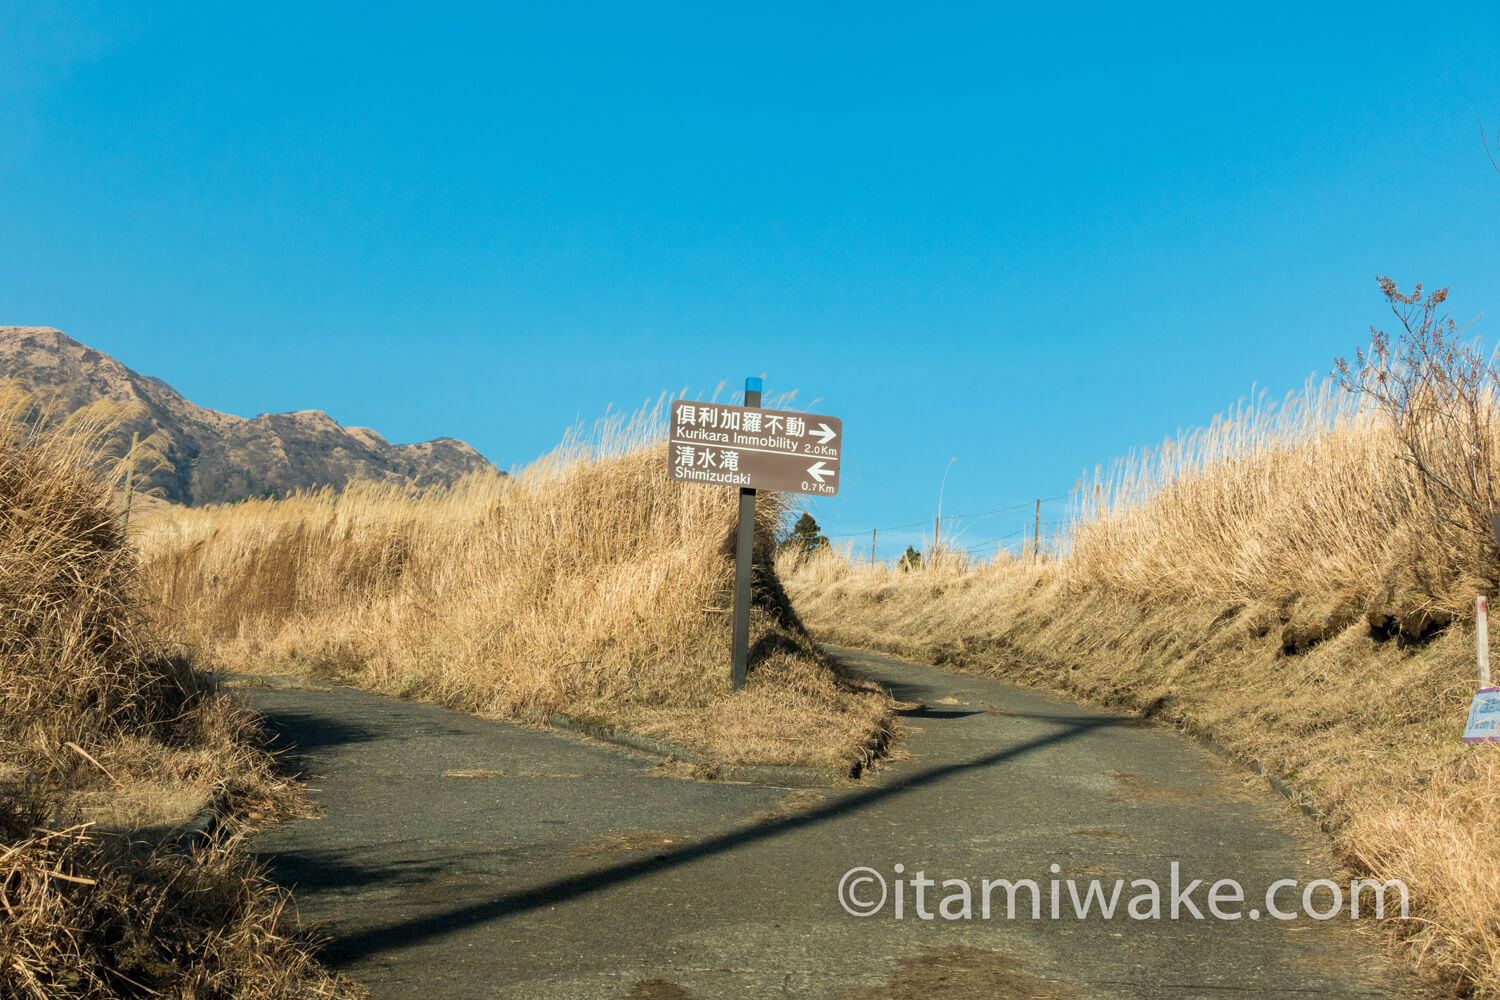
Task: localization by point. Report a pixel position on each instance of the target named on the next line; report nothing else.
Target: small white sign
(1484, 717)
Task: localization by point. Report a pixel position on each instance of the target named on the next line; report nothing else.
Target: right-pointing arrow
(824, 433)
(818, 472)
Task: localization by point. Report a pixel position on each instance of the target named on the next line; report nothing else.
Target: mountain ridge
(219, 457)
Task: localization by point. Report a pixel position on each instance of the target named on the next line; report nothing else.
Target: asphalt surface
(460, 858)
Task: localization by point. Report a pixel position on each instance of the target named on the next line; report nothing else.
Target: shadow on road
(404, 933)
(339, 870)
(294, 734)
(923, 712)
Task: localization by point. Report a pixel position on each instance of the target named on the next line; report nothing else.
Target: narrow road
(458, 858)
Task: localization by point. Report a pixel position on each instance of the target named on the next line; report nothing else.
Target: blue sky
(1031, 237)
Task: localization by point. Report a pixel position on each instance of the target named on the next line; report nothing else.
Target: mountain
(218, 457)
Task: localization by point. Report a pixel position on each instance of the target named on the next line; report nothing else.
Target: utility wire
(955, 517)
(1007, 510)
(894, 527)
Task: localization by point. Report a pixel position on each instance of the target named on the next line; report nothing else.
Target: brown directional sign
(761, 449)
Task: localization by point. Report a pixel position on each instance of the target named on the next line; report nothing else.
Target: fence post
(135, 442)
(1036, 539)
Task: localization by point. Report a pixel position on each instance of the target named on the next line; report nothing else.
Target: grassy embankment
(102, 737)
(589, 584)
(1287, 583)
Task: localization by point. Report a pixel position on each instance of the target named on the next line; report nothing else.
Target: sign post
(744, 554)
(754, 449)
(1482, 638)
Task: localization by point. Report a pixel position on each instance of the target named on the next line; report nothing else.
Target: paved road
(459, 858)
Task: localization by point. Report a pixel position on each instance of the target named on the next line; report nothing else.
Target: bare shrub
(1440, 393)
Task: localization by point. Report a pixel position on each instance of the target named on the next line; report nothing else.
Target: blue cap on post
(752, 383)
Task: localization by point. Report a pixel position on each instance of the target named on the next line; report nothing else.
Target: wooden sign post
(753, 449)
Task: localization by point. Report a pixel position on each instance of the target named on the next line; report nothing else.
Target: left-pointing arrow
(818, 472)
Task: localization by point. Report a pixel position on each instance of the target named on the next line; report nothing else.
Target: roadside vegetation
(107, 743)
(1296, 582)
(589, 584)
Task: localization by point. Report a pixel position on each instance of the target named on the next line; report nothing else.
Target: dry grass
(85, 919)
(95, 718)
(1264, 581)
(589, 584)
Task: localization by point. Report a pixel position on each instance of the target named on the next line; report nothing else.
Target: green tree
(805, 537)
(911, 560)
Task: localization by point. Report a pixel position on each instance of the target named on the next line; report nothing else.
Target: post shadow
(350, 948)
